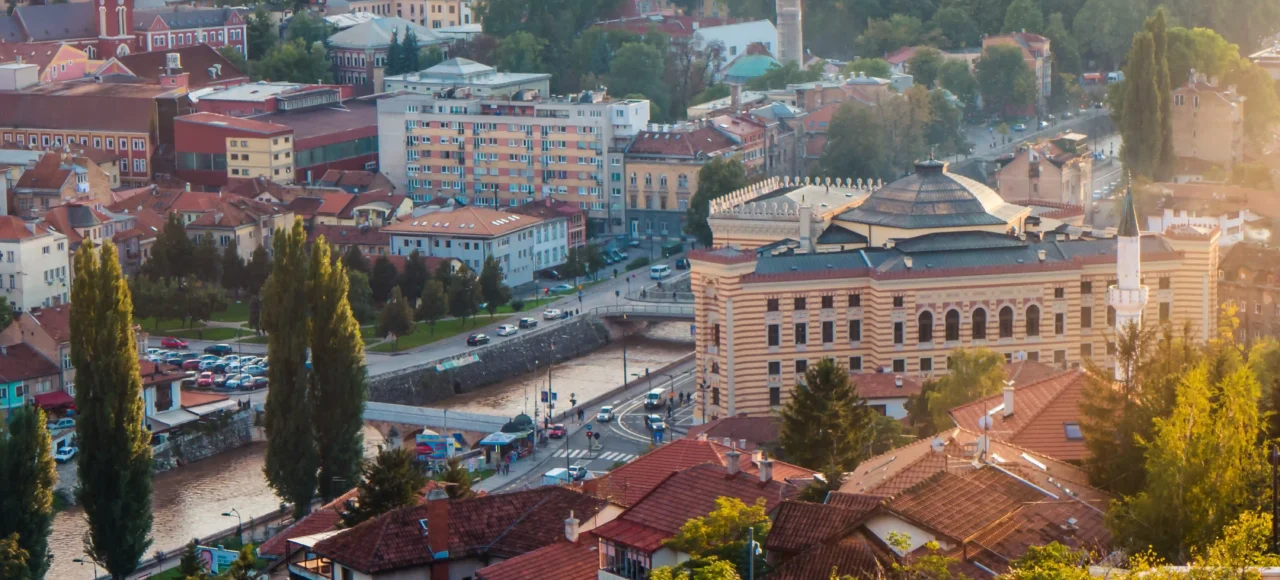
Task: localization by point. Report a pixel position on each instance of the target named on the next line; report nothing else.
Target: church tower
(115, 27)
(790, 32)
(1128, 297)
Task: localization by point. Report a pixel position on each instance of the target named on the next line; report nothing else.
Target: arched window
(648, 180)
(633, 178)
(682, 180)
(953, 325)
(1111, 316)
(1006, 322)
(662, 180)
(1033, 320)
(980, 324)
(925, 329)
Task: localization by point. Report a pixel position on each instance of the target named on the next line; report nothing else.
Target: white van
(654, 399)
(659, 272)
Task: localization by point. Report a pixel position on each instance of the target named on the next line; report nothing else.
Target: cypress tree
(391, 481)
(355, 261)
(1140, 126)
(410, 54)
(394, 60)
(1156, 25)
(291, 451)
(27, 475)
(826, 425)
(415, 276)
(338, 383)
(383, 279)
(397, 317)
(115, 450)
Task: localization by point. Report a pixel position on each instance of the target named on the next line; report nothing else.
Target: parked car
(189, 356)
(550, 274)
(65, 454)
(231, 358)
(171, 342)
(219, 349)
(191, 365)
(63, 423)
(550, 314)
(654, 423)
(578, 472)
(1044, 124)
(634, 243)
(204, 380)
(155, 358)
(255, 370)
(477, 340)
(682, 264)
(562, 288)
(175, 360)
(557, 431)
(1068, 115)
(151, 351)
(259, 383)
(528, 323)
(506, 330)
(1020, 127)
(606, 414)
(234, 381)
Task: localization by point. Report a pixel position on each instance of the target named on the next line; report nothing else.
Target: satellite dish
(937, 445)
(985, 422)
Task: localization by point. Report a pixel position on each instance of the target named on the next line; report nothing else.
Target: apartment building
(1208, 123)
(522, 244)
(359, 53)
(662, 167)
(505, 152)
(213, 148)
(428, 13)
(57, 179)
(34, 268)
(1059, 170)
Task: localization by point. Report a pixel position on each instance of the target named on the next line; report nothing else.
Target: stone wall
(199, 444)
(423, 385)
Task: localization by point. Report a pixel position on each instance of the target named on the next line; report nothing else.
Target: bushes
(637, 263)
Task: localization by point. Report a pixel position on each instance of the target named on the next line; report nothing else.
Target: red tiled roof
(20, 361)
(548, 208)
(13, 228)
(820, 120)
(562, 560)
(195, 399)
(756, 431)
(705, 140)
(498, 526)
(855, 555)
(49, 173)
(237, 123)
(1041, 411)
(884, 385)
(688, 494)
(152, 374)
(333, 203)
(465, 221)
(55, 321)
(196, 60)
(37, 53)
(626, 485)
(901, 55)
(355, 180)
(674, 26)
(360, 235)
(961, 506)
(322, 520)
(60, 218)
(234, 212)
(147, 224)
(799, 525)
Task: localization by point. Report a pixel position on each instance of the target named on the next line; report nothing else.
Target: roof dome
(932, 197)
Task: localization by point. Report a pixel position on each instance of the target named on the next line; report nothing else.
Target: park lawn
(236, 312)
(528, 305)
(160, 325)
(368, 333)
(422, 334)
(216, 333)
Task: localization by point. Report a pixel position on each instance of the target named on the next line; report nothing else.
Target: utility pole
(624, 350)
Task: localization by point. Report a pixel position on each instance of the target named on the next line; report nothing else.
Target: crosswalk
(608, 456)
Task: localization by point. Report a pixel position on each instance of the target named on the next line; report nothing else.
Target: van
(654, 399)
(659, 272)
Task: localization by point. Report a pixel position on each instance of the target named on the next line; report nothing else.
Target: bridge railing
(675, 311)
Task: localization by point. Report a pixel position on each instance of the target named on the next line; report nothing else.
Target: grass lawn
(368, 333)
(160, 325)
(215, 334)
(422, 334)
(236, 312)
(528, 305)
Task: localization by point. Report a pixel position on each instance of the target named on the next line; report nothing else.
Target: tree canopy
(720, 176)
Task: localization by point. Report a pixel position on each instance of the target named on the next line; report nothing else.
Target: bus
(654, 399)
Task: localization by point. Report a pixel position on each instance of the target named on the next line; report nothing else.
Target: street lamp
(239, 523)
(82, 561)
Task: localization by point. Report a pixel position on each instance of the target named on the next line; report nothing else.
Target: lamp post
(239, 523)
(624, 345)
(82, 561)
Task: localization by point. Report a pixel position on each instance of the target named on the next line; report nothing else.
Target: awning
(55, 399)
(170, 419)
(501, 438)
(211, 408)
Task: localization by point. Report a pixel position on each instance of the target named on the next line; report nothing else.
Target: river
(189, 501)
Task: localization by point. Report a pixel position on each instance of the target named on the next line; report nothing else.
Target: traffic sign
(588, 426)
(596, 435)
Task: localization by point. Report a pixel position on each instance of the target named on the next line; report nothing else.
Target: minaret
(1128, 297)
(790, 32)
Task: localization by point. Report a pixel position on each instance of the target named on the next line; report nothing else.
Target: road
(621, 440)
(983, 136)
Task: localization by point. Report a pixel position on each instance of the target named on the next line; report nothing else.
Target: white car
(550, 314)
(65, 454)
(64, 423)
(506, 330)
(606, 414)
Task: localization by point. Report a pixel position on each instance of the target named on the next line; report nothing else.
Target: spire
(1129, 221)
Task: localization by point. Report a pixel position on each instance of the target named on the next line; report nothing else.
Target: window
(1060, 358)
(855, 363)
(1086, 317)
(828, 301)
(1006, 322)
(899, 365)
(715, 333)
(1059, 292)
(802, 333)
(1164, 312)
(897, 332)
(1086, 350)
(855, 300)
(771, 305)
(1059, 324)
(1086, 287)
(953, 325)
(1111, 348)
(1166, 283)
(1073, 431)
(775, 396)
(1111, 316)
(773, 334)
(775, 368)
(828, 332)
(1033, 320)
(980, 324)
(926, 364)
(799, 303)
(802, 365)
(855, 330)
(924, 327)
(898, 301)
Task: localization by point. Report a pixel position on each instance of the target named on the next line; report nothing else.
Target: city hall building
(890, 278)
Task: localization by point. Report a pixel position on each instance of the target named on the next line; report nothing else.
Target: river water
(189, 501)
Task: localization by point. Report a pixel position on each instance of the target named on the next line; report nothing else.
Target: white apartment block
(522, 244)
(34, 268)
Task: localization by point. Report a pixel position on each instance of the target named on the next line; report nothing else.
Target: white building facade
(34, 267)
(473, 234)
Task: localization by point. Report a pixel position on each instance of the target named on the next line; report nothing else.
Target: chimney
(702, 436)
(735, 96)
(571, 528)
(1040, 254)
(438, 523)
(742, 444)
(897, 381)
(187, 187)
(907, 261)
(728, 442)
(757, 456)
(731, 462)
(766, 470)
(1008, 401)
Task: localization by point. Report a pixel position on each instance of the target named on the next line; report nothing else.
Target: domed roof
(932, 197)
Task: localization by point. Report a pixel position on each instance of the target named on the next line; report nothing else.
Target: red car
(205, 380)
(191, 365)
(557, 431)
(171, 342)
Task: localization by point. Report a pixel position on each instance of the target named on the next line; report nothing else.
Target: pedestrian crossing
(607, 456)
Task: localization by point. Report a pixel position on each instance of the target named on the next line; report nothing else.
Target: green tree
(410, 53)
(415, 276)
(199, 300)
(291, 448)
(972, 374)
(720, 176)
(956, 27)
(173, 253)
(854, 148)
(115, 447)
(395, 61)
(397, 317)
(361, 297)
(243, 567)
(885, 36)
(711, 93)
(338, 391)
(495, 293)
(391, 481)
(638, 68)
(457, 479)
(1262, 108)
(1105, 29)
(383, 279)
(13, 559)
(236, 58)
(464, 294)
(294, 61)
(778, 77)
(723, 535)
(924, 66)
(1156, 26)
(433, 304)
(1203, 463)
(1024, 16)
(232, 268)
(1052, 561)
(711, 568)
(1066, 51)
(944, 131)
(1201, 50)
(595, 260)
(308, 26)
(206, 253)
(520, 53)
(260, 32)
(1004, 79)
(1140, 127)
(871, 67)
(6, 313)
(825, 423)
(27, 476)
(257, 270)
(444, 273)
(355, 261)
(189, 565)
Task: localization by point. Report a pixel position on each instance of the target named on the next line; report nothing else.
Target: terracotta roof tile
(237, 123)
(562, 560)
(49, 173)
(196, 60)
(856, 555)
(20, 362)
(322, 520)
(705, 140)
(464, 221)
(153, 374)
(13, 228)
(884, 385)
(1026, 372)
(78, 112)
(1042, 410)
(195, 399)
(359, 235)
(55, 320)
(853, 501)
(756, 431)
(957, 506)
(798, 525)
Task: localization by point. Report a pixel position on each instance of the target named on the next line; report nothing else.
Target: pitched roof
(377, 33)
(49, 173)
(1042, 411)
(20, 361)
(237, 123)
(756, 431)
(547, 208)
(37, 53)
(234, 212)
(195, 59)
(195, 399)
(884, 385)
(57, 21)
(464, 221)
(703, 140)
(857, 555)
(626, 485)
(498, 526)
(82, 112)
(1025, 372)
(355, 181)
(321, 520)
(184, 19)
(13, 228)
(152, 374)
(688, 494)
(55, 321)
(358, 235)
(562, 560)
(798, 525)
(68, 219)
